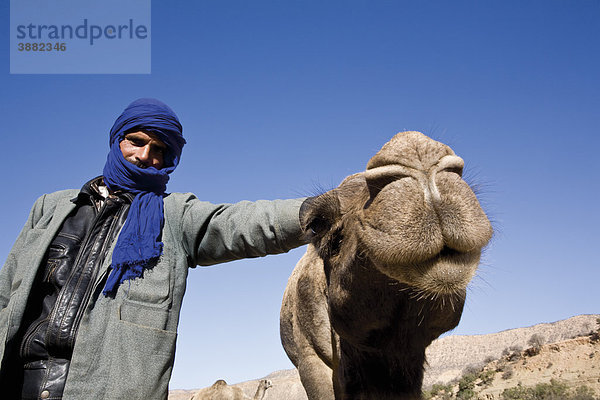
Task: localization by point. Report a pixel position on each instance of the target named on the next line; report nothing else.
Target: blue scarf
(139, 243)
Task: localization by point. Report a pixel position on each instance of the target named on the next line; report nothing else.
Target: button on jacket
(125, 345)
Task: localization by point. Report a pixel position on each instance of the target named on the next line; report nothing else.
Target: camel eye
(336, 242)
(318, 225)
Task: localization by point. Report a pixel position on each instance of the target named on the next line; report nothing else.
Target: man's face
(143, 149)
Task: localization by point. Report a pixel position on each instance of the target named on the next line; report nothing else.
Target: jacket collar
(94, 191)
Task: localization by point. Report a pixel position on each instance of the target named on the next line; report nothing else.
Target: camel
(220, 390)
(391, 252)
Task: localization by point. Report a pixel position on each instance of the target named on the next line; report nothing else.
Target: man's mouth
(140, 164)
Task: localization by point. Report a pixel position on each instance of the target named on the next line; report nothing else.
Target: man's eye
(159, 150)
(137, 142)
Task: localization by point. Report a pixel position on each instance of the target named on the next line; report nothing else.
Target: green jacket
(125, 345)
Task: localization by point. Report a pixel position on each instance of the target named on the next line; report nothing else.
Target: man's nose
(144, 153)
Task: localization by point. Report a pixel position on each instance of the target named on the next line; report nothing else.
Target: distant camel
(392, 251)
(220, 390)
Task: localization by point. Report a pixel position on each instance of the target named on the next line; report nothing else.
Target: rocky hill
(449, 356)
(565, 352)
(567, 369)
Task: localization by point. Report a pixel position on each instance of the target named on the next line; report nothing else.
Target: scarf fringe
(122, 272)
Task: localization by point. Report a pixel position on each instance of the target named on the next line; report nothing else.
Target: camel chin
(444, 275)
(393, 249)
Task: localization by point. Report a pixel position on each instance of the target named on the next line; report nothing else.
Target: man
(90, 294)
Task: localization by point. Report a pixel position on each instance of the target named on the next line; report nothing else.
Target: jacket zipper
(84, 244)
(93, 284)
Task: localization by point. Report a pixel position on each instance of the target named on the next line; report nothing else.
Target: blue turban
(139, 243)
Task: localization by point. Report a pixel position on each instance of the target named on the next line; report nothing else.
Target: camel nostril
(451, 163)
(380, 177)
(376, 185)
(455, 170)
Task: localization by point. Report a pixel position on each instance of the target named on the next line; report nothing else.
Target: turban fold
(139, 243)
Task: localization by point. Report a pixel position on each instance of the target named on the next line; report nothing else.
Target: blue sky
(280, 98)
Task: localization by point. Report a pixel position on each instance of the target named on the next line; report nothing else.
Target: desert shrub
(554, 390)
(595, 335)
(487, 377)
(489, 359)
(467, 382)
(440, 391)
(512, 353)
(466, 386)
(501, 366)
(584, 393)
(466, 394)
(516, 393)
(533, 351)
(508, 372)
(471, 369)
(536, 340)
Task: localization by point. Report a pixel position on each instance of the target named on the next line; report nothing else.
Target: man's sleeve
(220, 233)
(8, 270)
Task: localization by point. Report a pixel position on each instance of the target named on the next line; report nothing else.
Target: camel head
(392, 251)
(423, 225)
(409, 216)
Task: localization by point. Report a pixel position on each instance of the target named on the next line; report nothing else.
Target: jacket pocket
(143, 315)
(154, 288)
(142, 361)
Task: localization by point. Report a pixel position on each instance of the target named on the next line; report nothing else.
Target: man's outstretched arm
(219, 233)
